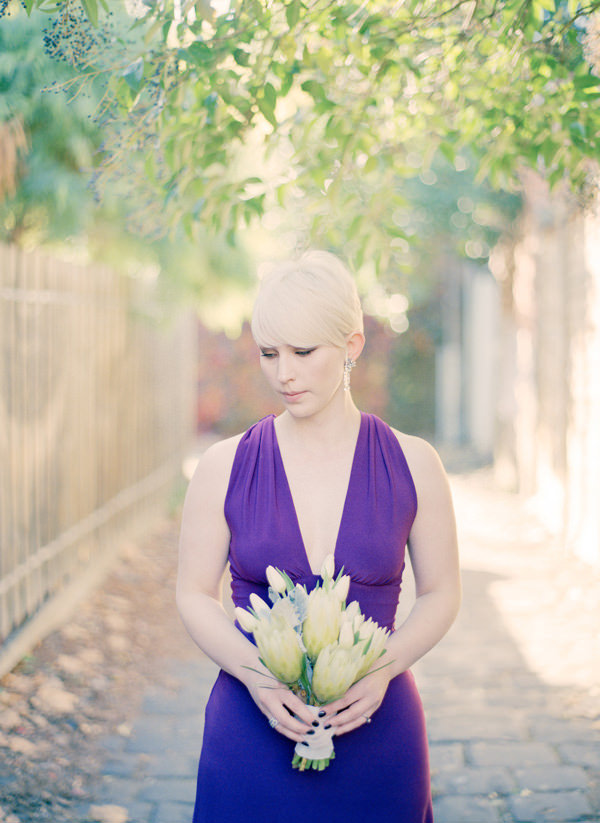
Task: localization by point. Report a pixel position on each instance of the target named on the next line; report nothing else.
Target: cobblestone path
(511, 694)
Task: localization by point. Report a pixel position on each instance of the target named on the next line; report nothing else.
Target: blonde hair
(305, 302)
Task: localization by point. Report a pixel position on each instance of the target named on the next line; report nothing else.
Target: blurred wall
(548, 443)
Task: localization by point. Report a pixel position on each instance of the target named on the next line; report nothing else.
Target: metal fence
(96, 408)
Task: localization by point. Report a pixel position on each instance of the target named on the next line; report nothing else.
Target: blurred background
(153, 155)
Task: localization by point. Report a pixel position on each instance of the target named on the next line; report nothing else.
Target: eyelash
(300, 352)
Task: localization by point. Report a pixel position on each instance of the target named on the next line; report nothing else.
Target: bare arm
(434, 557)
(203, 553)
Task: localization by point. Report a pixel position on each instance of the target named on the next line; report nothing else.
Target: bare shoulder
(423, 460)
(211, 477)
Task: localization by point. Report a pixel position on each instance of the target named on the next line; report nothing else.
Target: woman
(321, 477)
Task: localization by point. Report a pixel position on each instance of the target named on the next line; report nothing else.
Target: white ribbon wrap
(320, 744)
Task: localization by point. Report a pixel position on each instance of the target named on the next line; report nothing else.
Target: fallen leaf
(22, 745)
(118, 642)
(70, 664)
(109, 814)
(9, 719)
(92, 656)
(55, 698)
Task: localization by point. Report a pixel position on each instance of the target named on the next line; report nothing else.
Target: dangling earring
(348, 366)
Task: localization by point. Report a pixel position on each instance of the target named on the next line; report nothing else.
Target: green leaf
(91, 9)
(448, 151)
(198, 53)
(133, 74)
(586, 81)
(292, 13)
(266, 101)
(241, 57)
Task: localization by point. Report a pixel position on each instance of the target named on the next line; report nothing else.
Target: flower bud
(328, 567)
(275, 579)
(258, 604)
(341, 588)
(246, 620)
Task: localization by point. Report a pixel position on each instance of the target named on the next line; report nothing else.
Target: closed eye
(304, 352)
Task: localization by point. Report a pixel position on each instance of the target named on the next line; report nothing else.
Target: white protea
(279, 648)
(375, 641)
(351, 614)
(366, 629)
(322, 624)
(342, 587)
(276, 580)
(285, 608)
(346, 638)
(335, 671)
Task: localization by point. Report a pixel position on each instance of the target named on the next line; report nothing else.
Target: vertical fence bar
(88, 433)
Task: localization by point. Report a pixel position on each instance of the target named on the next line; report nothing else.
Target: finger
(338, 706)
(285, 724)
(356, 713)
(351, 724)
(275, 707)
(300, 709)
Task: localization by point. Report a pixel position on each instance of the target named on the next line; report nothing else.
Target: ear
(355, 344)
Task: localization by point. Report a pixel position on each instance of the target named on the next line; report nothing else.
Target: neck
(335, 423)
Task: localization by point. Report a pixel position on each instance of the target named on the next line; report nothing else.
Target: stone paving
(508, 745)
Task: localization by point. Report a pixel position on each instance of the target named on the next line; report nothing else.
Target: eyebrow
(290, 345)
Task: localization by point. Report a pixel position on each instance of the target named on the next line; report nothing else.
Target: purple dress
(381, 770)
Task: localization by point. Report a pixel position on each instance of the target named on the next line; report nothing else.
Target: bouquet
(315, 643)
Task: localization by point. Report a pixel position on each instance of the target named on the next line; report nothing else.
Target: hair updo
(306, 302)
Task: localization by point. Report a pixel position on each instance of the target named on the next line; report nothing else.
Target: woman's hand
(276, 700)
(361, 700)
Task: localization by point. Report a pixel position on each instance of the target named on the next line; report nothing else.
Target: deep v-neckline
(290, 497)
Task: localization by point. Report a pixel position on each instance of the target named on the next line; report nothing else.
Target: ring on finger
(273, 723)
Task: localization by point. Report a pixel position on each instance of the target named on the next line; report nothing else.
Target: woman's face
(305, 379)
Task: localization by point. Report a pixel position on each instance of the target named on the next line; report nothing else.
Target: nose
(285, 370)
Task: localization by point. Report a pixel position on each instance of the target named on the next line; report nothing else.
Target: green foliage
(62, 122)
(52, 198)
(213, 118)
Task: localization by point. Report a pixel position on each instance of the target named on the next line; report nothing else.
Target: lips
(293, 394)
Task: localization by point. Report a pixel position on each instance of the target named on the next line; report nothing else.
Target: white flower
(285, 608)
(346, 638)
(258, 604)
(328, 567)
(367, 628)
(341, 588)
(275, 579)
(279, 648)
(322, 624)
(376, 646)
(246, 620)
(357, 622)
(351, 612)
(335, 671)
